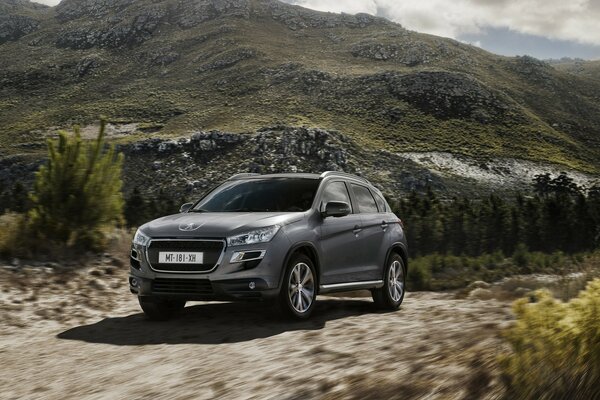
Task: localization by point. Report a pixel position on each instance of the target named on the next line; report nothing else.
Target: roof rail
(344, 174)
(242, 175)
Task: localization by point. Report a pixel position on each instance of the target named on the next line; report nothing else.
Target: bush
(556, 347)
(12, 229)
(419, 275)
(520, 257)
(77, 194)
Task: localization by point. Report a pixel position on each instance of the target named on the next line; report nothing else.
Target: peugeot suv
(283, 237)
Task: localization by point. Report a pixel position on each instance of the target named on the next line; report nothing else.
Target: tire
(160, 309)
(391, 294)
(298, 300)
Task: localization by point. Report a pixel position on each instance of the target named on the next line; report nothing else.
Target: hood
(216, 225)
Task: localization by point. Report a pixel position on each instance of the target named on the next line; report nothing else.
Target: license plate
(180, 257)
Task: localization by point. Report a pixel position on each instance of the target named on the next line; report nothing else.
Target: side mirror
(186, 207)
(336, 209)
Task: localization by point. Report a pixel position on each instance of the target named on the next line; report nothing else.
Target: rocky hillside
(590, 69)
(163, 70)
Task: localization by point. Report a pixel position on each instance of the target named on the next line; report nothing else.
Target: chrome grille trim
(219, 261)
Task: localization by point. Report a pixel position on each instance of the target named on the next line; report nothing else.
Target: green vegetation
(13, 232)
(455, 242)
(76, 199)
(560, 217)
(443, 272)
(77, 194)
(556, 347)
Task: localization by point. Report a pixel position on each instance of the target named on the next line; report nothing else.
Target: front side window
(364, 198)
(260, 195)
(335, 191)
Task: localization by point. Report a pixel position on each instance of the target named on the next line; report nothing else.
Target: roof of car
(337, 174)
(268, 176)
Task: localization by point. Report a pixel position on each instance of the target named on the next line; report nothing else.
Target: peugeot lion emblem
(188, 227)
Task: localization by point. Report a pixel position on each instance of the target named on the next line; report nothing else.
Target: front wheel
(299, 289)
(160, 309)
(391, 294)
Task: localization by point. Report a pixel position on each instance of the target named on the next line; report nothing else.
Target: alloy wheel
(396, 281)
(301, 287)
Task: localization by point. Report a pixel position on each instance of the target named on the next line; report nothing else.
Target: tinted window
(335, 191)
(261, 195)
(380, 203)
(366, 202)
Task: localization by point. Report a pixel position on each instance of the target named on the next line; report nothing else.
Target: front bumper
(202, 289)
(229, 280)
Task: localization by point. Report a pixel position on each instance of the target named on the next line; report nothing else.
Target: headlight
(140, 238)
(261, 235)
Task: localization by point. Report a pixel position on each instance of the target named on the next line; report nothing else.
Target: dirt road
(81, 335)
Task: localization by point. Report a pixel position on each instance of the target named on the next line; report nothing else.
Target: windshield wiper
(198, 210)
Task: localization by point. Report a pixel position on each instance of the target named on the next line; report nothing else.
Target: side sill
(342, 287)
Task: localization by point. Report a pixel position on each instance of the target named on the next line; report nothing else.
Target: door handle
(356, 229)
(384, 225)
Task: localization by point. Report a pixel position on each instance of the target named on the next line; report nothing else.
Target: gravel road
(81, 335)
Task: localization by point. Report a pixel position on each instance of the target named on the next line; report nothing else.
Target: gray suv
(280, 237)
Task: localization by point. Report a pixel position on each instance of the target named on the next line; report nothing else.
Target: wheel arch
(400, 249)
(308, 249)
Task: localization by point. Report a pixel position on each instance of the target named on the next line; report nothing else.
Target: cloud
(574, 20)
(47, 2)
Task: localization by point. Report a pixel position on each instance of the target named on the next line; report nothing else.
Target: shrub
(77, 194)
(556, 347)
(520, 257)
(419, 275)
(12, 228)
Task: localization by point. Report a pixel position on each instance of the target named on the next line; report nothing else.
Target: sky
(539, 28)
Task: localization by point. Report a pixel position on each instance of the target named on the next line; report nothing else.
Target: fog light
(252, 285)
(134, 282)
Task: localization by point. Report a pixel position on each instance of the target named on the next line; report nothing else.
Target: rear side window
(380, 203)
(366, 202)
(335, 191)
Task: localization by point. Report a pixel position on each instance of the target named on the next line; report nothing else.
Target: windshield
(261, 195)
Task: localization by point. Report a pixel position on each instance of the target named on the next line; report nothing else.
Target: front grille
(212, 250)
(182, 286)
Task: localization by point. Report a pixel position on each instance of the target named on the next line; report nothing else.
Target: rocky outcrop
(533, 70)
(187, 166)
(12, 27)
(88, 64)
(72, 9)
(228, 59)
(449, 95)
(133, 27)
(297, 18)
(410, 53)
(195, 12)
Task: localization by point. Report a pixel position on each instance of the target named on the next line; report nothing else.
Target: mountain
(576, 66)
(170, 68)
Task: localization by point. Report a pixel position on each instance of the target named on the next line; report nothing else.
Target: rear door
(339, 235)
(372, 240)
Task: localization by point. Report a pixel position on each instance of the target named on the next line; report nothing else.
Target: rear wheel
(299, 290)
(391, 294)
(160, 309)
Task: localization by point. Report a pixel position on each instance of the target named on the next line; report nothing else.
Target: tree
(77, 194)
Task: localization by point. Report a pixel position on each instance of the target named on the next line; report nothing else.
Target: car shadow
(212, 323)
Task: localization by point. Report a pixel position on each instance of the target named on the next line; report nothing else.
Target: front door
(339, 236)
